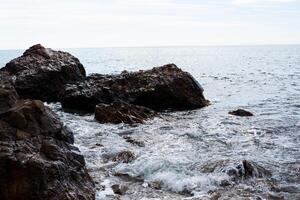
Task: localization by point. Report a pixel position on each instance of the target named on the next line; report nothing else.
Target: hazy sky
(97, 23)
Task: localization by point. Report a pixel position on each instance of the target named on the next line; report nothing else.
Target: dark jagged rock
(134, 141)
(119, 189)
(241, 113)
(37, 158)
(8, 97)
(124, 156)
(41, 73)
(161, 88)
(247, 169)
(237, 170)
(121, 112)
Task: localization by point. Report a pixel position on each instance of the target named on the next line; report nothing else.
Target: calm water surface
(181, 146)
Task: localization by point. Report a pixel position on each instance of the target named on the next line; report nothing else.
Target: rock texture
(37, 158)
(241, 113)
(41, 73)
(121, 112)
(161, 88)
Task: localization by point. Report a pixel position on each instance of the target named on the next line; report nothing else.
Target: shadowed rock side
(41, 73)
(37, 158)
(121, 112)
(160, 88)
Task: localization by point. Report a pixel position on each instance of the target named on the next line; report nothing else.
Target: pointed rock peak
(38, 49)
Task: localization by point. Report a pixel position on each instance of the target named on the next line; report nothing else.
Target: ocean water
(189, 155)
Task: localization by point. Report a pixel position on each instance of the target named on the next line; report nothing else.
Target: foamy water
(190, 154)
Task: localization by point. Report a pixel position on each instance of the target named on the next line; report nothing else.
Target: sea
(189, 154)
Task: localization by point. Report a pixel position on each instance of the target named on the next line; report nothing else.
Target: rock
(124, 156)
(33, 117)
(121, 112)
(41, 73)
(160, 88)
(8, 97)
(237, 170)
(119, 189)
(157, 185)
(134, 141)
(247, 169)
(37, 158)
(241, 113)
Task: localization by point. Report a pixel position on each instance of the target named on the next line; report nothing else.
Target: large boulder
(121, 112)
(160, 88)
(37, 158)
(41, 73)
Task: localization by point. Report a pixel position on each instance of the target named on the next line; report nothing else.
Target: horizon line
(156, 46)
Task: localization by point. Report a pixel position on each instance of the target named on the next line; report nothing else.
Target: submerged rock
(160, 88)
(134, 141)
(37, 158)
(241, 113)
(41, 73)
(121, 112)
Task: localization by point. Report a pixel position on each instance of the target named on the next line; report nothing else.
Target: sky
(126, 23)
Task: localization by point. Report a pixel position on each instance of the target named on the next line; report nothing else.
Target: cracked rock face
(41, 73)
(121, 112)
(37, 157)
(161, 88)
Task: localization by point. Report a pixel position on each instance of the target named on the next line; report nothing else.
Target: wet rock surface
(161, 88)
(122, 112)
(124, 157)
(8, 95)
(37, 156)
(119, 189)
(241, 113)
(41, 73)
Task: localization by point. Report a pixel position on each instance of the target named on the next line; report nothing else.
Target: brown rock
(121, 112)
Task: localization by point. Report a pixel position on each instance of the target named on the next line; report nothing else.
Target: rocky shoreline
(38, 159)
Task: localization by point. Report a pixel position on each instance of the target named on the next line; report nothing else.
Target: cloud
(94, 23)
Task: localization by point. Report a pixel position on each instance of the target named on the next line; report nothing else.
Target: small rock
(241, 113)
(119, 189)
(124, 156)
(134, 142)
(156, 185)
(247, 169)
